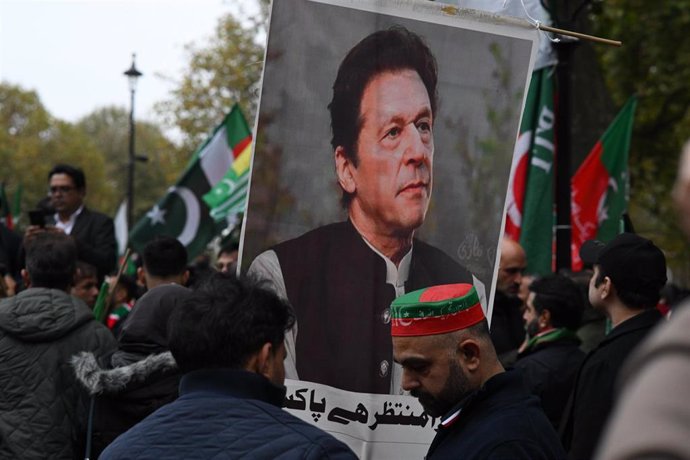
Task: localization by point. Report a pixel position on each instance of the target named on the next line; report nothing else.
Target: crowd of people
(193, 366)
(189, 361)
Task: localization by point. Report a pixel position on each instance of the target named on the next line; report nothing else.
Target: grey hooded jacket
(42, 408)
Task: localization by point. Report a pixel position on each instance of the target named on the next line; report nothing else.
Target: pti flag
(182, 213)
(529, 209)
(229, 196)
(599, 193)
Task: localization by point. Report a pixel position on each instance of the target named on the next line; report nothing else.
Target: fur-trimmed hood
(98, 380)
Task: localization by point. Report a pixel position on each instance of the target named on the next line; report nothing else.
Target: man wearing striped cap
(441, 339)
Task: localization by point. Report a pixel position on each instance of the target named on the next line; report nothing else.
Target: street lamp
(132, 74)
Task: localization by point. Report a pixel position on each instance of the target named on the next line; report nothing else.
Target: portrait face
(87, 290)
(431, 372)
(64, 195)
(392, 181)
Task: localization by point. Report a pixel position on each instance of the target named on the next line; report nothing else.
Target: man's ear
(544, 318)
(264, 360)
(343, 169)
(26, 278)
(469, 353)
(185, 277)
(607, 288)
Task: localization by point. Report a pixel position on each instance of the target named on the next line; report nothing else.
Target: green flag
(529, 210)
(229, 196)
(599, 194)
(182, 213)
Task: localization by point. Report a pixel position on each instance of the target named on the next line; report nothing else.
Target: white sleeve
(266, 267)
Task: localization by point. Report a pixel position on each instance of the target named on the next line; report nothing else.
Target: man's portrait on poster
(341, 277)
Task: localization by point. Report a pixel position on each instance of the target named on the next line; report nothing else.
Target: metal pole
(130, 166)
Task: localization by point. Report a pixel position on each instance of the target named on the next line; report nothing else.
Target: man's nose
(409, 382)
(416, 149)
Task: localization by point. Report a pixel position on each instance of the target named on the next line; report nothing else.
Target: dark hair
(86, 270)
(75, 173)
(390, 50)
(629, 298)
(51, 260)
(164, 256)
(229, 248)
(129, 284)
(225, 322)
(561, 297)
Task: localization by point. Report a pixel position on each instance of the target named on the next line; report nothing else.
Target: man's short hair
(229, 248)
(75, 173)
(225, 322)
(85, 270)
(389, 50)
(51, 260)
(561, 297)
(164, 256)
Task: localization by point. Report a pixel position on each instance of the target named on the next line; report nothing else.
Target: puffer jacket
(42, 408)
(125, 395)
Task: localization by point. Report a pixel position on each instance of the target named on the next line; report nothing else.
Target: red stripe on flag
(240, 146)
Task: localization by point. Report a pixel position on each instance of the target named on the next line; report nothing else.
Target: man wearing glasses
(93, 232)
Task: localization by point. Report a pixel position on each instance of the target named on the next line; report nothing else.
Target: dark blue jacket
(499, 421)
(225, 414)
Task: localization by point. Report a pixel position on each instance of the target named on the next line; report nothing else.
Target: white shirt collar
(69, 225)
(395, 276)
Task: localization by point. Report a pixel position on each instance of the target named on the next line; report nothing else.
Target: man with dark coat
(382, 116)
(629, 273)
(551, 357)
(142, 375)
(228, 339)
(441, 339)
(42, 410)
(93, 232)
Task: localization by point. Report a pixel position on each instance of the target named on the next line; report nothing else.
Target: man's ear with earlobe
(264, 360)
(141, 276)
(544, 318)
(469, 352)
(343, 169)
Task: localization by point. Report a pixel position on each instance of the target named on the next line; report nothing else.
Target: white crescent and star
(193, 214)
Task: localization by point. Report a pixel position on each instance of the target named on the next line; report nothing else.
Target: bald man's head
(511, 267)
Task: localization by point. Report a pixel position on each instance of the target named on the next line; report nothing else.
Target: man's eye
(393, 132)
(424, 126)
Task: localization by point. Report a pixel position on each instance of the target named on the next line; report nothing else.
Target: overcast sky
(74, 53)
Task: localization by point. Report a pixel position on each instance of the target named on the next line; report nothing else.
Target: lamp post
(132, 74)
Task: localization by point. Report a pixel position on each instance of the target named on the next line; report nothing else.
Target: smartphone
(37, 217)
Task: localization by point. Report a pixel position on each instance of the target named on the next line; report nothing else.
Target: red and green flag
(229, 196)
(529, 210)
(599, 188)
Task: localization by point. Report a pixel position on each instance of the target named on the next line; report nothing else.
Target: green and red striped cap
(436, 310)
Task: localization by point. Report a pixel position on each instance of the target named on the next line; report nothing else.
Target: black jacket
(500, 421)
(337, 286)
(549, 371)
(94, 234)
(592, 398)
(226, 414)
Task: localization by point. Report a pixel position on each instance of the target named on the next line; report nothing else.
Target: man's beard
(532, 328)
(456, 387)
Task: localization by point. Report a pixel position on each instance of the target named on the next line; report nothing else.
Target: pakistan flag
(182, 213)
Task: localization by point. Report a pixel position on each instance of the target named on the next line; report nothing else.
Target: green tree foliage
(225, 71)
(653, 63)
(32, 141)
(108, 128)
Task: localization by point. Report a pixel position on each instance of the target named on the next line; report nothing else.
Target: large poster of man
(384, 143)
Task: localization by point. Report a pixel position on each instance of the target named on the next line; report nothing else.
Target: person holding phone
(93, 232)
